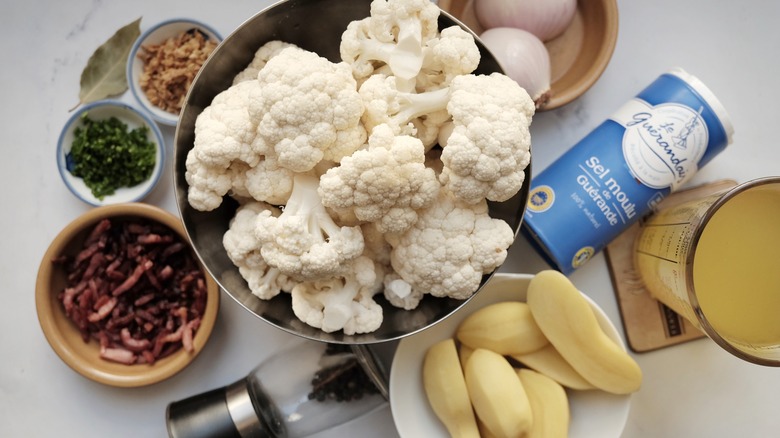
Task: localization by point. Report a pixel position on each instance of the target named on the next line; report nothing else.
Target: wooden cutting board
(648, 324)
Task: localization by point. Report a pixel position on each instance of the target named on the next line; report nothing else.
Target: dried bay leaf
(104, 74)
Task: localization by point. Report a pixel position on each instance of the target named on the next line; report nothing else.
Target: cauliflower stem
(304, 242)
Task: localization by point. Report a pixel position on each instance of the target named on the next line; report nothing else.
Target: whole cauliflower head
(310, 109)
(450, 247)
(386, 184)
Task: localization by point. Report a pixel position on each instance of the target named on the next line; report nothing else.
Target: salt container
(622, 169)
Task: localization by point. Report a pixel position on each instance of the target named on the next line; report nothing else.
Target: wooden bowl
(578, 57)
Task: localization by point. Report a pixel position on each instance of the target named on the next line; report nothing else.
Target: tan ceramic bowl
(578, 57)
(62, 334)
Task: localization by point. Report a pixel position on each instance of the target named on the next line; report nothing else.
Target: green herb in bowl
(108, 155)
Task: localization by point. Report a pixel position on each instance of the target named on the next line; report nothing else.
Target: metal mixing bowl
(315, 25)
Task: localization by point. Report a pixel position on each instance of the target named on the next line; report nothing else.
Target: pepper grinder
(297, 392)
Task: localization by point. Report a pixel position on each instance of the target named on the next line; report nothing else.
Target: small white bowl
(156, 35)
(133, 118)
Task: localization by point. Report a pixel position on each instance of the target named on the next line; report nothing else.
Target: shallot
(524, 59)
(544, 18)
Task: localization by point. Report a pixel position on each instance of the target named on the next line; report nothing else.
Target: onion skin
(544, 18)
(524, 58)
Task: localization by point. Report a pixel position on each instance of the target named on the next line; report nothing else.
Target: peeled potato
(464, 352)
(549, 362)
(505, 328)
(567, 320)
(497, 395)
(445, 388)
(549, 405)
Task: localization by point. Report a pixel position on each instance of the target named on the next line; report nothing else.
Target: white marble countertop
(694, 389)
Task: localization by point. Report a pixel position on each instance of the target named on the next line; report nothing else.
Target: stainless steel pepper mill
(277, 399)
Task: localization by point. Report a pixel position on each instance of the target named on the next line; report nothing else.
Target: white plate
(593, 413)
(133, 118)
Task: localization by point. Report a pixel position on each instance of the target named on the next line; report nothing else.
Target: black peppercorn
(342, 382)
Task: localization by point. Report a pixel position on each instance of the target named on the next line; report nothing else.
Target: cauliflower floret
(450, 247)
(489, 147)
(401, 294)
(420, 110)
(452, 54)
(343, 303)
(405, 112)
(243, 249)
(304, 242)
(262, 55)
(375, 246)
(310, 109)
(209, 184)
(225, 146)
(385, 184)
(237, 174)
(269, 182)
(225, 132)
(393, 35)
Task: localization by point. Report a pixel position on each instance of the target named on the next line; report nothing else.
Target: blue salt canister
(621, 170)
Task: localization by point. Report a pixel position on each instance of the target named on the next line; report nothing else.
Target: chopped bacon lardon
(135, 289)
(120, 355)
(131, 281)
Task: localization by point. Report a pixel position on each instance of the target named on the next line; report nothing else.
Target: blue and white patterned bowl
(133, 118)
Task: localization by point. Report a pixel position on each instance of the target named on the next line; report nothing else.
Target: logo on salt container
(541, 199)
(581, 256)
(662, 145)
